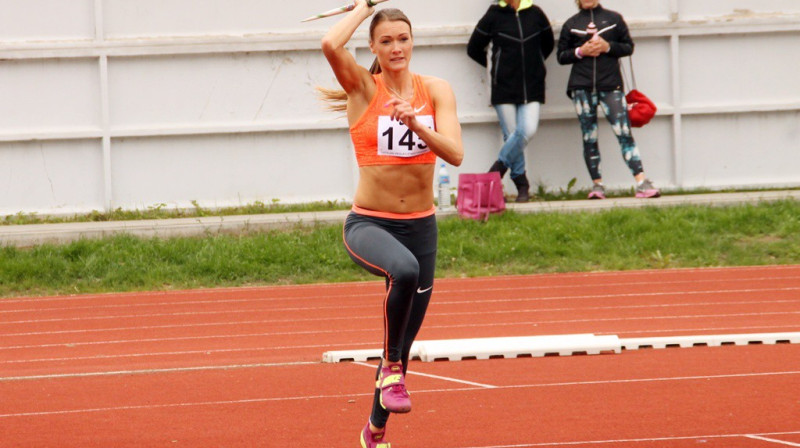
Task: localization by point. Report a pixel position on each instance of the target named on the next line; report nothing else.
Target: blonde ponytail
(336, 99)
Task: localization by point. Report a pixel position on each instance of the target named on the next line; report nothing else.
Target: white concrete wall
(139, 103)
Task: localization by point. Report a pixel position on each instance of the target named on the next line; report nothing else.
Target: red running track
(241, 367)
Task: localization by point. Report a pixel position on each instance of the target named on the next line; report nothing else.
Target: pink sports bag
(480, 195)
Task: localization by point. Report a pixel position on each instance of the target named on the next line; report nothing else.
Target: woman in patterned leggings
(592, 41)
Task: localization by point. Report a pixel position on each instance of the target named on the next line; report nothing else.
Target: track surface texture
(242, 367)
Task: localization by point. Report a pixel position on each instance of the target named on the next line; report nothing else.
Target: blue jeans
(519, 123)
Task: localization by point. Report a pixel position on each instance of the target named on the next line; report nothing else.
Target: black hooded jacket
(601, 73)
(521, 41)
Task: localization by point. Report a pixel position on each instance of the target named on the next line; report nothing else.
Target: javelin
(341, 10)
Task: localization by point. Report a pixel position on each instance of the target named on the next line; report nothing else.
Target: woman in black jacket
(521, 39)
(592, 41)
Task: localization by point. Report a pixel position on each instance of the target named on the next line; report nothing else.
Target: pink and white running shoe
(371, 439)
(647, 190)
(392, 383)
(598, 192)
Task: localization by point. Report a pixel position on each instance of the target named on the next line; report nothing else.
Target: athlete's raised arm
(354, 79)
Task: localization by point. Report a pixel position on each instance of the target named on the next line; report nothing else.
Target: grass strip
(513, 243)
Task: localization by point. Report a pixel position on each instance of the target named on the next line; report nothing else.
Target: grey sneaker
(647, 190)
(598, 192)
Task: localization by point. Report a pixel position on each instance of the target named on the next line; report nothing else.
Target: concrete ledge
(711, 199)
(34, 234)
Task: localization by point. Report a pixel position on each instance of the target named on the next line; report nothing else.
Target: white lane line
(349, 318)
(151, 371)
(247, 311)
(345, 295)
(181, 405)
(342, 346)
(314, 287)
(646, 332)
(444, 378)
(767, 439)
(187, 338)
(171, 326)
(438, 303)
(188, 352)
(339, 396)
(340, 331)
(650, 380)
(172, 304)
(613, 308)
(616, 319)
(619, 441)
(622, 295)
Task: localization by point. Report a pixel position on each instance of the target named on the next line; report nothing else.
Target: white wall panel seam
(425, 36)
(677, 124)
(105, 120)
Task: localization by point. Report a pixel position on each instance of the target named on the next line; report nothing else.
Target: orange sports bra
(379, 140)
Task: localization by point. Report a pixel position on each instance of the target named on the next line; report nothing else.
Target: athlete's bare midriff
(395, 188)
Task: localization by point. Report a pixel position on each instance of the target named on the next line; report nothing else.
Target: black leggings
(403, 251)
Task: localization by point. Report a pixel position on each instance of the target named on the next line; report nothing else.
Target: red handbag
(640, 108)
(480, 195)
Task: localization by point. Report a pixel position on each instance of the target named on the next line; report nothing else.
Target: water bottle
(444, 188)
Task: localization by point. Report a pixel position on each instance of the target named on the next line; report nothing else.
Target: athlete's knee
(406, 273)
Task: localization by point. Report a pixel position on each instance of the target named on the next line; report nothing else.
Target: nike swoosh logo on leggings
(420, 291)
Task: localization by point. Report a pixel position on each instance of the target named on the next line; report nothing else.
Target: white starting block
(486, 348)
(561, 345)
(711, 340)
(514, 347)
(356, 355)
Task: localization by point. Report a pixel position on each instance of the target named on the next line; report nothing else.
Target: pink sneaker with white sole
(371, 439)
(647, 190)
(392, 383)
(598, 192)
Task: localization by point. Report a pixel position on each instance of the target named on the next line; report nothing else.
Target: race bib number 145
(395, 139)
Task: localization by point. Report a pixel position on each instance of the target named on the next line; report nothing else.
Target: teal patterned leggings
(616, 110)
